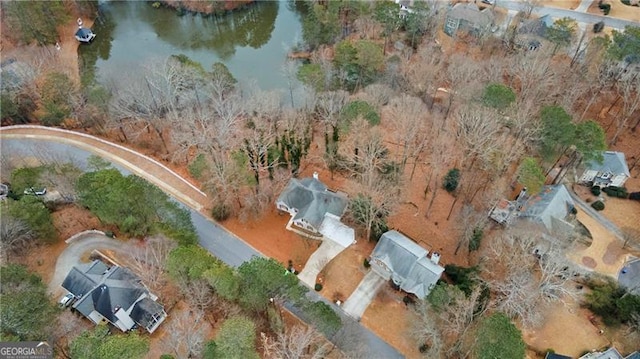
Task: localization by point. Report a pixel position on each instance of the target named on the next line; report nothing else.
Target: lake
(252, 42)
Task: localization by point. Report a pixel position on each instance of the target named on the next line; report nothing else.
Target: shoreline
(201, 8)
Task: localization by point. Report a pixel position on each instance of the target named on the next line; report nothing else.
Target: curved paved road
(137, 163)
(215, 238)
(584, 17)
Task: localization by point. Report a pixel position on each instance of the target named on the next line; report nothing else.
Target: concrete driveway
(360, 299)
(71, 256)
(318, 260)
(629, 276)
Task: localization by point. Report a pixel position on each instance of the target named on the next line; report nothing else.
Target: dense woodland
(382, 98)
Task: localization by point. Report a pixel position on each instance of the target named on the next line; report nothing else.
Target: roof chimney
(435, 257)
(315, 175)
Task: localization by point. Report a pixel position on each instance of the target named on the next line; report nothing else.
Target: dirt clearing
(562, 319)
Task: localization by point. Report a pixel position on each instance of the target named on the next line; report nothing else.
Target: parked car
(490, 2)
(67, 300)
(36, 191)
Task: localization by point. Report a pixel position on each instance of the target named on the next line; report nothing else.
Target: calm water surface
(252, 43)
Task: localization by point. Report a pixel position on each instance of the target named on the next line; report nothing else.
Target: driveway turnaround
(71, 256)
(318, 260)
(360, 299)
(629, 276)
(215, 238)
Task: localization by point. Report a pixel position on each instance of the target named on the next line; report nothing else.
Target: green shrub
(597, 205)
(197, 167)
(612, 302)
(322, 317)
(614, 191)
(220, 212)
(366, 263)
(378, 228)
(498, 96)
(451, 180)
(462, 277)
(318, 287)
(595, 190)
(167, 356)
(355, 109)
(476, 238)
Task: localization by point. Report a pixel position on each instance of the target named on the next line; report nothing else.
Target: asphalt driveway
(74, 251)
(629, 276)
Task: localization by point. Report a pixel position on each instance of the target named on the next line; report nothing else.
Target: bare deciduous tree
(378, 95)
(631, 237)
(148, 261)
(15, 236)
(469, 221)
(629, 90)
(328, 106)
(528, 272)
(185, 334)
(199, 295)
(409, 127)
(297, 342)
(476, 129)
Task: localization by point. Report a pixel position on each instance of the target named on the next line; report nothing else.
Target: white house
(613, 171)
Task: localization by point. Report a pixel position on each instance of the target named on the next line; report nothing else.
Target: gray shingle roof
(537, 26)
(313, 200)
(144, 311)
(613, 162)
(103, 289)
(408, 262)
(553, 203)
(84, 277)
(471, 12)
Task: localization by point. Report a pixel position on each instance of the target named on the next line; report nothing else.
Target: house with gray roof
(548, 212)
(612, 171)
(316, 209)
(550, 208)
(114, 295)
(534, 32)
(468, 17)
(406, 263)
(536, 26)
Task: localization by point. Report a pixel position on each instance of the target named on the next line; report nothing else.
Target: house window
(452, 24)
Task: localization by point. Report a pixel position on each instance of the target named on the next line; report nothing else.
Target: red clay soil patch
(269, 235)
(343, 274)
(390, 319)
(157, 345)
(567, 330)
(589, 262)
(613, 252)
(68, 221)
